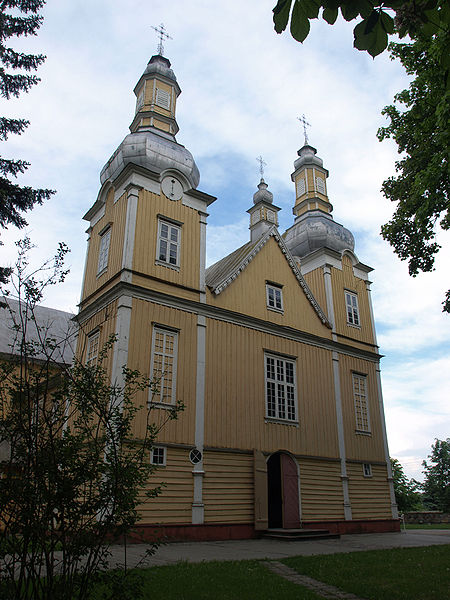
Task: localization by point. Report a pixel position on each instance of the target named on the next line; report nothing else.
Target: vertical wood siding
(315, 281)
(321, 490)
(235, 394)
(247, 293)
(345, 280)
(145, 251)
(174, 504)
(369, 496)
(228, 488)
(361, 446)
(116, 215)
(144, 314)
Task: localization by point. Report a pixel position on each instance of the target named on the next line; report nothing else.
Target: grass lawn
(231, 580)
(397, 574)
(427, 526)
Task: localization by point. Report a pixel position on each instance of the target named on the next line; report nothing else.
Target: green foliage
(73, 470)
(436, 486)
(420, 125)
(375, 25)
(407, 492)
(17, 18)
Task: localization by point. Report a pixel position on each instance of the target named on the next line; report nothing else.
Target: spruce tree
(17, 18)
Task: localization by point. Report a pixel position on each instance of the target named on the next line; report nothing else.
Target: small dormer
(263, 213)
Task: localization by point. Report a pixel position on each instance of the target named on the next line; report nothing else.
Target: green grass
(397, 574)
(427, 526)
(230, 580)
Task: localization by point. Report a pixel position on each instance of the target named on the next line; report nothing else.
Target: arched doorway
(282, 492)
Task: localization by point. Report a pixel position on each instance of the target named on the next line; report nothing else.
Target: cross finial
(262, 164)
(304, 123)
(162, 34)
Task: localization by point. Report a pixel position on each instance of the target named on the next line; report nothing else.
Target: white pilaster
(394, 507)
(329, 296)
(341, 439)
(198, 471)
(372, 319)
(130, 230)
(122, 332)
(88, 231)
(202, 265)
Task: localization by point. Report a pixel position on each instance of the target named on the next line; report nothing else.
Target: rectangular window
(367, 470)
(92, 348)
(158, 456)
(361, 403)
(351, 303)
(163, 98)
(169, 236)
(274, 296)
(281, 401)
(103, 252)
(163, 368)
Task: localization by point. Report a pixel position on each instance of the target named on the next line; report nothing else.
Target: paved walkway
(273, 549)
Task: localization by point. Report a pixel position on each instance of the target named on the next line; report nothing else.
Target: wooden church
(272, 349)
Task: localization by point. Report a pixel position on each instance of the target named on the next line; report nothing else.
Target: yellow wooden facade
(217, 329)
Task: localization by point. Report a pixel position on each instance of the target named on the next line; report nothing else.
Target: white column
(122, 332)
(130, 230)
(202, 265)
(198, 471)
(372, 319)
(88, 231)
(329, 297)
(394, 508)
(341, 439)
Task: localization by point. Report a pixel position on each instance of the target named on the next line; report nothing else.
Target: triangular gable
(225, 271)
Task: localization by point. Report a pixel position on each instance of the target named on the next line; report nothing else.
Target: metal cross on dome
(162, 34)
(305, 123)
(262, 164)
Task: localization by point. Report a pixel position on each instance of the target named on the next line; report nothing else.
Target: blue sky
(243, 87)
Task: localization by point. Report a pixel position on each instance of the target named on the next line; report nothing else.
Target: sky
(243, 87)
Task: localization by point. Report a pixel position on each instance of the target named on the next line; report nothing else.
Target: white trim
(166, 357)
(283, 400)
(153, 456)
(202, 263)
(372, 319)
(130, 228)
(170, 243)
(341, 437)
(99, 215)
(272, 302)
(198, 471)
(352, 308)
(329, 298)
(120, 353)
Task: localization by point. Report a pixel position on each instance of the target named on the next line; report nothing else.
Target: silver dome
(153, 152)
(159, 65)
(263, 194)
(314, 230)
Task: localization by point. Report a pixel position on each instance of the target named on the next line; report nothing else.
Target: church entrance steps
(297, 535)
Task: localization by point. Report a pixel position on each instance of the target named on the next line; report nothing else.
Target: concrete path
(273, 549)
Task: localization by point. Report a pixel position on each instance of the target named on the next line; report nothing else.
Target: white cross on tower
(162, 34)
(262, 164)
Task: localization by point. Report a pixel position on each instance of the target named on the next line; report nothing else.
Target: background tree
(407, 492)
(73, 471)
(17, 18)
(420, 127)
(436, 486)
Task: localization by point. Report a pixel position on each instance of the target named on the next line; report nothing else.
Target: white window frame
(93, 341)
(361, 402)
(274, 297)
(352, 309)
(301, 186)
(158, 456)
(171, 245)
(280, 379)
(103, 251)
(158, 368)
(367, 470)
(320, 185)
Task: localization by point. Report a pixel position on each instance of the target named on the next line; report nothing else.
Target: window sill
(280, 421)
(102, 272)
(366, 433)
(168, 265)
(353, 326)
(166, 405)
(280, 311)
